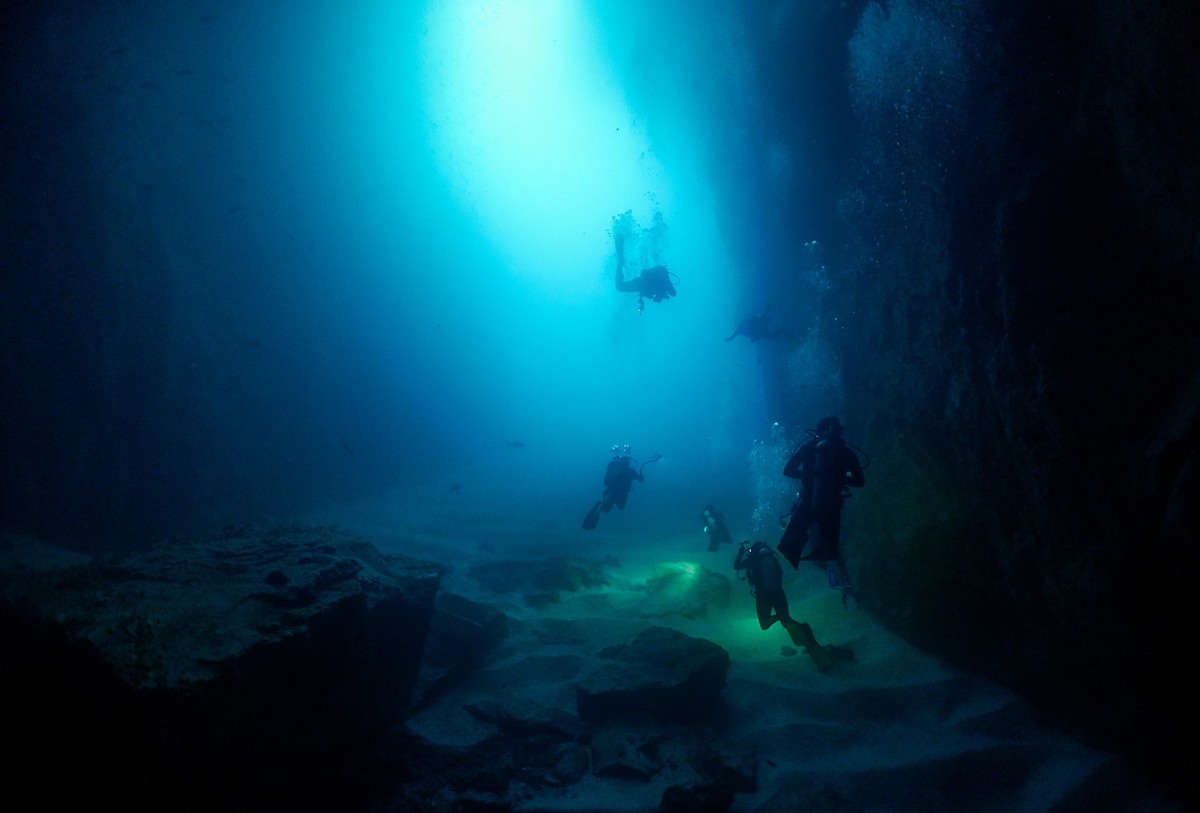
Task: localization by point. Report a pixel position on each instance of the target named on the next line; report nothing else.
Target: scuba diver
(618, 480)
(754, 328)
(654, 283)
(766, 585)
(714, 526)
(826, 467)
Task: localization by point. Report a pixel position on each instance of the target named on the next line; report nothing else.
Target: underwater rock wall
(1017, 322)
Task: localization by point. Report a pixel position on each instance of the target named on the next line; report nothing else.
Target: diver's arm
(793, 469)
(740, 562)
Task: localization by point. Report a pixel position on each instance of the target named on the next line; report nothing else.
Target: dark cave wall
(158, 347)
(1023, 350)
(110, 415)
(86, 335)
(1011, 300)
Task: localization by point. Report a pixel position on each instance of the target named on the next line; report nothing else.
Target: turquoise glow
(529, 127)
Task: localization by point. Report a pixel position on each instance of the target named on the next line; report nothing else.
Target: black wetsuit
(766, 577)
(714, 526)
(618, 480)
(824, 467)
(653, 283)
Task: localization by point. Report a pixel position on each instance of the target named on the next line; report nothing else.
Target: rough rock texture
(531, 747)
(238, 669)
(461, 633)
(1012, 300)
(1006, 318)
(541, 581)
(662, 674)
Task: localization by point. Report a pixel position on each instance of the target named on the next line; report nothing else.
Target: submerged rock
(662, 674)
(541, 580)
(461, 633)
(249, 665)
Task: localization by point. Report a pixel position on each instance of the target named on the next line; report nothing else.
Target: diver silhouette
(618, 480)
(765, 577)
(826, 467)
(715, 527)
(653, 283)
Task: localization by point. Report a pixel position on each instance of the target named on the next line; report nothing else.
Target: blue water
(316, 251)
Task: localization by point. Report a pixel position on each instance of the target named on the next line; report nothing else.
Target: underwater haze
(362, 245)
(269, 267)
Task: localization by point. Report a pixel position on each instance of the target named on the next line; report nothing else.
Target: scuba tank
(762, 569)
(827, 480)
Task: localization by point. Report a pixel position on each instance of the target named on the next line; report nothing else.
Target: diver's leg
(833, 533)
(824, 536)
(623, 285)
(795, 536)
(781, 606)
(627, 286)
(835, 570)
(802, 636)
(763, 605)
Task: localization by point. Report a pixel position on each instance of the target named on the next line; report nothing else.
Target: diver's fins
(592, 518)
(801, 633)
(802, 636)
(793, 556)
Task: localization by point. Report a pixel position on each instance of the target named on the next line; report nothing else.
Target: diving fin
(802, 636)
(791, 554)
(592, 518)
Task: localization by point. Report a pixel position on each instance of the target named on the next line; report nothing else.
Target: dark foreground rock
(461, 634)
(243, 671)
(663, 674)
(642, 724)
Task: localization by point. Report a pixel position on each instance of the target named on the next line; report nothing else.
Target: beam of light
(529, 127)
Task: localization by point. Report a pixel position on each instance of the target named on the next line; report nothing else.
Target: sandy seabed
(894, 730)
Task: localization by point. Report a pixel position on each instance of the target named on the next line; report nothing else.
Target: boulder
(248, 668)
(663, 674)
(627, 754)
(461, 633)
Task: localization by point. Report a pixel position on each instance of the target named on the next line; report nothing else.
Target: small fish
(456, 486)
(515, 444)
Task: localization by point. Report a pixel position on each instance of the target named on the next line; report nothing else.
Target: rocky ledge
(251, 665)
